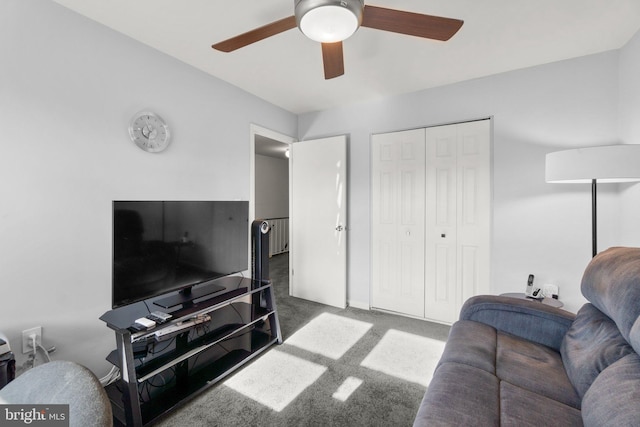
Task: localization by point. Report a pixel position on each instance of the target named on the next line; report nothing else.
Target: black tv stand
(234, 327)
(186, 296)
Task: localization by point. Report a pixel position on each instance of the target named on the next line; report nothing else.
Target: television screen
(165, 246)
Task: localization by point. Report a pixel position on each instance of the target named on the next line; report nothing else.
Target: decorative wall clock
(149, 132)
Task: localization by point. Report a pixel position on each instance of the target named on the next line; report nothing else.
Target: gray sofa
(510, 362)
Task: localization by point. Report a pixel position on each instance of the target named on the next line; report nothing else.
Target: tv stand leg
(130, 397)
(182, 368)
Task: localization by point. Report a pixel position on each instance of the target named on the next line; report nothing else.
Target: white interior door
(318, 237)
(458, 229)
(398, 221)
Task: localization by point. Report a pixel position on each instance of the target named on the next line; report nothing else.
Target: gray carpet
(381, 399)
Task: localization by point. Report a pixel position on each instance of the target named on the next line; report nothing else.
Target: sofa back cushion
(614, 397)
(592, 343)
(611, 283)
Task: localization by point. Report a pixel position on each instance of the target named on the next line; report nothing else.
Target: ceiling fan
(332, 21)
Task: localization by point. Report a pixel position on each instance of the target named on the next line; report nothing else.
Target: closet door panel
(474, 200)
(398, 222)
(441, 293)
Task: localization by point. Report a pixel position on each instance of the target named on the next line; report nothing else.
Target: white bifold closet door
(453, 202)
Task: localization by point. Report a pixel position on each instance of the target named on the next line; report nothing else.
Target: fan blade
(333, 60)
(256, 35)
(412, 24)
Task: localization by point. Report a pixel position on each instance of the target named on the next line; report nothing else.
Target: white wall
(630, 134)
(538, 228)
(272, 187)
(68, 88)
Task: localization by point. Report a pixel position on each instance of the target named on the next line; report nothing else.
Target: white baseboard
(358, 304)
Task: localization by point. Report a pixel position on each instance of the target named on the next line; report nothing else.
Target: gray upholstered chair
(62, 382)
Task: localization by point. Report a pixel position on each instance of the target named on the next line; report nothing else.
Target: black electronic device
(260, 258)
(260, 251)
(7, 367)
(7, 362)
(529, 290)
(160, 247)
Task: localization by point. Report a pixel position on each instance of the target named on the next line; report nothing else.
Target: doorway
(269, 185)
(317, 204)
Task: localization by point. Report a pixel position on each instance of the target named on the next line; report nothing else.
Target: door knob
(339, 228)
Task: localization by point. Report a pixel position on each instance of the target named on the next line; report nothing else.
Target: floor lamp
(607, 164)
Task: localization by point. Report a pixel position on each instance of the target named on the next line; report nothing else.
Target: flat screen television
(161, 247)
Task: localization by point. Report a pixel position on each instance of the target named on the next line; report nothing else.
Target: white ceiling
(286, 69)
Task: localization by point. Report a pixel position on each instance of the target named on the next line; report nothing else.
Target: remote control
(159, 317)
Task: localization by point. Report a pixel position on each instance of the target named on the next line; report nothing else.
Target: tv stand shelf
(156, 376)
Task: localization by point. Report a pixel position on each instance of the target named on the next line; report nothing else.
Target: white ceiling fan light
(328, 21)
(332, 21)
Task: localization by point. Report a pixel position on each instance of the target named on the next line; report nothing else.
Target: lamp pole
(594, 218)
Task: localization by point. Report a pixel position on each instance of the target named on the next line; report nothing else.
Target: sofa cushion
(520, 407)
(534, 367)
(592, 343)
(614, 397)
(611, 283)
(460, 395)
(471, 343)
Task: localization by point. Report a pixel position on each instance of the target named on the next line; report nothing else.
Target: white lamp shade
(329, 24)
(612, 163)
(328, 21)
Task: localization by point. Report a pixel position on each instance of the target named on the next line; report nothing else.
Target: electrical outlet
(26, 338)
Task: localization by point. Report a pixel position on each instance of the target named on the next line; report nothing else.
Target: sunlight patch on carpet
(406, 356)
(347, 388)
(275, 379)
(329, 335)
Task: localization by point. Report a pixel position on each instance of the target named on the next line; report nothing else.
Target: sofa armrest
(530, 320)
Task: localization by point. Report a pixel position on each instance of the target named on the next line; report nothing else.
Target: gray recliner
(62, 382)
(512, 362)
